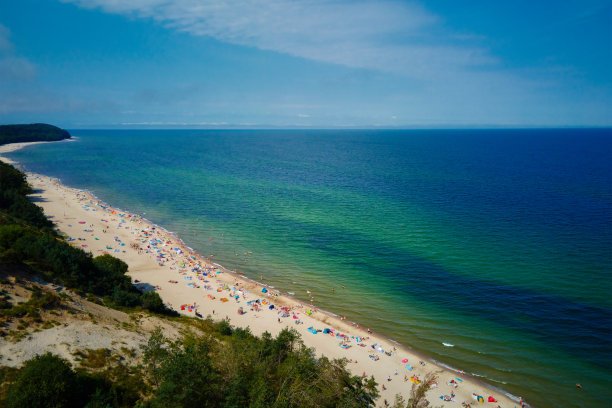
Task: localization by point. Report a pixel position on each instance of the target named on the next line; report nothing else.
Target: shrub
(46, 381)
(124, 297)
(153, 302)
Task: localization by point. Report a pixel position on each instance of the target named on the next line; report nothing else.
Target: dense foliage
(13, 201)
(44, 381)
(210, 369)
(27, 239)
(240, 370)
(37, 132)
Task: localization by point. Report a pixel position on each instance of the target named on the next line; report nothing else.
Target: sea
(488, 250)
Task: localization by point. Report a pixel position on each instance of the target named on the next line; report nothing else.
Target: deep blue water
(496, 241)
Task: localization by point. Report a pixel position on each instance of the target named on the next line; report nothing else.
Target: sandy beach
(189, 283)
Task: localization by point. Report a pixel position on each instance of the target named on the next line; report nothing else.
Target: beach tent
(264, 290)
(491, 399)
(325, 331)
(271, 307)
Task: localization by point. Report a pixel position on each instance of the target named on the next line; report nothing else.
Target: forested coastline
(36, 132)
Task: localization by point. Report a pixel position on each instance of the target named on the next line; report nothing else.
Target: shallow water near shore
(489, 250)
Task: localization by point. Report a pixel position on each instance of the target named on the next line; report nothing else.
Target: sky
(306, 63)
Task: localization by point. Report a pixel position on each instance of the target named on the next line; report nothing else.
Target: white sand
(100, 230)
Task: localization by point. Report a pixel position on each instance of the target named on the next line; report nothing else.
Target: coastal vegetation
(207, 367)
(37, 132)
(28, 242)
(212, 364)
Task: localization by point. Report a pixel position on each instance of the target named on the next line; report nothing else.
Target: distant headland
(36, 132)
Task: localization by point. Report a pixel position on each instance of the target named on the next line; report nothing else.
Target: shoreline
(151, 274)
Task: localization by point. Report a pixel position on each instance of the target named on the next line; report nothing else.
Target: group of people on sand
(164, 247)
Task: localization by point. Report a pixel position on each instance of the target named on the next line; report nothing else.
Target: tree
(188, 376)
(152, 301)
(124, 297)
(45, 381)
(154, 354)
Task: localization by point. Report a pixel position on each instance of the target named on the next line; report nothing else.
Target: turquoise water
(498, 242)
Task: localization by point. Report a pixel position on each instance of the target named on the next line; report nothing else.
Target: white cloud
(16, 68)
(5, 44)
(384, 35)
(13, 67)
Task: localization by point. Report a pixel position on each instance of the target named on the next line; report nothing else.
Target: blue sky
(305, 63)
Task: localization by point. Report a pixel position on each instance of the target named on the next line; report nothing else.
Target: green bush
(122, 297)
(225, 328)
(152, 301)
(46, 381)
